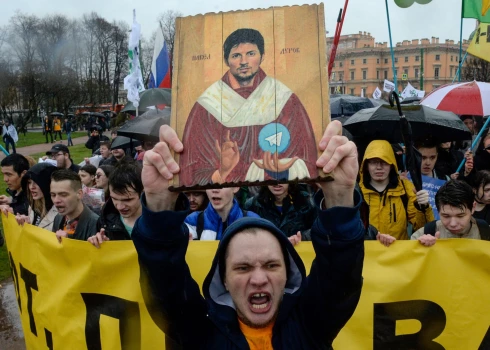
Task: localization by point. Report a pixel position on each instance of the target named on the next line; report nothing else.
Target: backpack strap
(200, 224)
(484, 229)
(430, 228)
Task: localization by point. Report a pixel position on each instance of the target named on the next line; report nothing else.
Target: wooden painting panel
(257, 116)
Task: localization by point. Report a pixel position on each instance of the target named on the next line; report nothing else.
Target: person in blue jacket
(257, 294)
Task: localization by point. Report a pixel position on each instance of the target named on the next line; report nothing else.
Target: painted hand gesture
(271, 163)
(229, 156)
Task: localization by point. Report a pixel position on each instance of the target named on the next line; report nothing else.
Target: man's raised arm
(335, 280)
(160, 236)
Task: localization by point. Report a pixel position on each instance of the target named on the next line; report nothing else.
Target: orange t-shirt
(257, 338)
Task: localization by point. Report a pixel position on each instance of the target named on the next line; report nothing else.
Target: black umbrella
(56, 114)
(379, 102)
(410, 100)
(121, 142)
(347, 105)
(146, 127)
(383, 123)
(129, 108)
(154, 97)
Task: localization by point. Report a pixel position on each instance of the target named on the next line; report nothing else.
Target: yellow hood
(379, 149)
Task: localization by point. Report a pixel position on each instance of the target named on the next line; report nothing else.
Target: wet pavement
(11, 334)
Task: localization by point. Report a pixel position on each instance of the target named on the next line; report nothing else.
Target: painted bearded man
(247, 126)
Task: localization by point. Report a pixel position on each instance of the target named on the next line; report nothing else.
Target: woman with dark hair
(482, 196)
(102, 178)
(287, 207)
(36, 184)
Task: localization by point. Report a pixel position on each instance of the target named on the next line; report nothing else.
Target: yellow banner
(74, 296)
(480, 44)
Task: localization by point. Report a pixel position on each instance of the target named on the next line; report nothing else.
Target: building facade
(361, 64)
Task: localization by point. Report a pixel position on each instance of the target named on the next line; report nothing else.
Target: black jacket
(298, 212)
(86, 227)
(110, 220)
(93, 142)
(19, 204)
(313, 309)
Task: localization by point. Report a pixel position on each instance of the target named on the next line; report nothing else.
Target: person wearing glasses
(102, 178)
(393, 202)
(61, 154)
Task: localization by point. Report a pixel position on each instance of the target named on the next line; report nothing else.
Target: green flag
(478, 9)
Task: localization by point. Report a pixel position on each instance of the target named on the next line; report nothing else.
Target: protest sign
(388, 86)
(431, 185)
(410, 91)
(74, 296)
(377, 93)
(254, 124)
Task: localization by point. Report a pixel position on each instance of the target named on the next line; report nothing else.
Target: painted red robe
(200, 158)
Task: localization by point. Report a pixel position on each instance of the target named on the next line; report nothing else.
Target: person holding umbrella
(393, 202)
(96, 137)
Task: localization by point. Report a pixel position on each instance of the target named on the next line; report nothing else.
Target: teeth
(259, 295)
(261, 306)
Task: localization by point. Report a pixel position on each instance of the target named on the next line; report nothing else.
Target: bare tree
(166, 22)
(476, 69)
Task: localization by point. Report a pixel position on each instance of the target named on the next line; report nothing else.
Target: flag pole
(391, 47)
(458, 73)
(461, 40)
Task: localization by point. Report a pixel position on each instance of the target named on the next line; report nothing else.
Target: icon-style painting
(250, 96)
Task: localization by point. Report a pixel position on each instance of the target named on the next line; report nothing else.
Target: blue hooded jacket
(313, 310)
(213, 225)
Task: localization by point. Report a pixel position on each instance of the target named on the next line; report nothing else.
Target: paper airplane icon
(275, 139)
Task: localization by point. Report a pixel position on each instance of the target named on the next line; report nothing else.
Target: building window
(406, 58)
(386, 60)
(377, 74)
(341, 75)
(405, 71)
(341, 64)
(352, 75)
(452, 58)
(386, 74)
(396, 59)
(333, 65)
(417, 58)
(438, 57)
(416, 72)
(364, 61)
(377, 60)
(364, 74)
(352, 91)
(352, 62)
(451, 71)
(436, 73)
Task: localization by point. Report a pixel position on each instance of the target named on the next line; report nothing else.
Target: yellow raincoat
(387, 210)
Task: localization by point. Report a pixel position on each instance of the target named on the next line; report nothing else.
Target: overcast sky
(440, 18)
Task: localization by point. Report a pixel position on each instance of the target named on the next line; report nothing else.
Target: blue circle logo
(274, 137)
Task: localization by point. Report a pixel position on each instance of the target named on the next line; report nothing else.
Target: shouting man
(257, 294)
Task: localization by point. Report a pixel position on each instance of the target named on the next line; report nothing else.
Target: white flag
(362, 92)
(377, 93)
(388, 86)
(134, 80)
(410, 91)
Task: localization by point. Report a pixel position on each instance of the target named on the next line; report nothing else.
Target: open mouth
(260, 302)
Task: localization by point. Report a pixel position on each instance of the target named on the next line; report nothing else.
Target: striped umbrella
(472, 98)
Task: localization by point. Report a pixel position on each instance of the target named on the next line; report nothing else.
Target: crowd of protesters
(393, 210)
(110, 197)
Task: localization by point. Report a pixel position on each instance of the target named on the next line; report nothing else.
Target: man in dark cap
(61, 154)
(257, 291)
